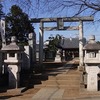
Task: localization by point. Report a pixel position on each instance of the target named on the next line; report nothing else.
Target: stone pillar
(63, 55)
(30, 41)
(2, 30)
(92, 80)
(2, 33)
(41, 43)
(26, 58)
(81, 44)
(1, 63)
(32, 45)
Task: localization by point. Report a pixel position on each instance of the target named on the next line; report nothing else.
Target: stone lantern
(13, 60)
(58, 57)
(92, 63)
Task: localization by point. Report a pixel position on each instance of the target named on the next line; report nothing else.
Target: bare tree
(69, 7)
(75, 7)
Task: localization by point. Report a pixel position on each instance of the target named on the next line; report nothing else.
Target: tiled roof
(71, 43)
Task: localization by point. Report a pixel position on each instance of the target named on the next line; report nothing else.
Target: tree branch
(92, 5)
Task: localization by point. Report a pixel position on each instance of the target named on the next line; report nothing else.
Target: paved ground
(49, 94)
(27, 95)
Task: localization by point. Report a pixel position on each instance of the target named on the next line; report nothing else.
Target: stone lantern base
(14, 76)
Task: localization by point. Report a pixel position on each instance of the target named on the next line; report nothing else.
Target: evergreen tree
(54, 43)
(18, 24)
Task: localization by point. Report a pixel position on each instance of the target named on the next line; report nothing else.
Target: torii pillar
(41, 32)
(80, 44)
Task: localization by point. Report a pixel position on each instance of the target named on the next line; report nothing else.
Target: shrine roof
(71, 43)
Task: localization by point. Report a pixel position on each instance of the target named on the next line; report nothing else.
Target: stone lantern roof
(13, 46)
(92, 45)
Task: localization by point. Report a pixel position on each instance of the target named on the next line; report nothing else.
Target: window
(11, 54)
(92, 54)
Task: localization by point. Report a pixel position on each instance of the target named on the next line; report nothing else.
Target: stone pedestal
(57, 58)
(14, 76)
(92, 81)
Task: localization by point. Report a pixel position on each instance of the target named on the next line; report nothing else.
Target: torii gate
(60, 26)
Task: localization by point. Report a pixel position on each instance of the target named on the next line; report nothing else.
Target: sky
(90, 28)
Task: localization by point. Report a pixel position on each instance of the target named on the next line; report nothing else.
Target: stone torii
(60, 26)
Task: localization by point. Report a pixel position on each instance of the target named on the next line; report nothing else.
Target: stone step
(56, 70)
(72, 93)
(49, 94)
(36, 81)
(41, 76)
(61, 82)
(88, 93)
(73, 72)
(58, 86)
(39, 86)
(64, 77)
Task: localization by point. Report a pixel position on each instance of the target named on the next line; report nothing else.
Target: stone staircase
(60, 83)
(64, 80)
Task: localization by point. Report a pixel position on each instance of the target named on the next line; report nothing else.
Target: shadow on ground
(9, 96)
(36, 75)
